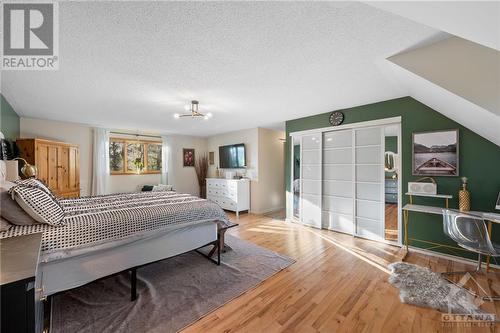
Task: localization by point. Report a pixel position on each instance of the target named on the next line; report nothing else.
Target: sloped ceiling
(458, 77)
(478, 21)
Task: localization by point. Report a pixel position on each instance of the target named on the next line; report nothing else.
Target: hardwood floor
(338, 284)
(391, 222)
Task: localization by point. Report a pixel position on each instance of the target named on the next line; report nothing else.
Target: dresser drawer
(391, 183)
(391, 198)
(391, 190)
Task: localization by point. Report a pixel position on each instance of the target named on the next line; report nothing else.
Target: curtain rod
(143, 135)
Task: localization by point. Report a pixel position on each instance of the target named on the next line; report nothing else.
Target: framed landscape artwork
(435, 153)
(211, 158)
(188, 157)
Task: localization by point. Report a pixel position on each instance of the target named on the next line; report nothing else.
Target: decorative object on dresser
(229, 194)
(19, 259)
(464, 197)
(201, 168)
(419, 187)
(391, 191)
(188, 157)
(58, 164)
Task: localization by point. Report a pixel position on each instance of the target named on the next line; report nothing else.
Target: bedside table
(18, 263)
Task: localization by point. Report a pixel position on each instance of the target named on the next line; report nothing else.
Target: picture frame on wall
(211, 158)
(188, 157)
(435, 153)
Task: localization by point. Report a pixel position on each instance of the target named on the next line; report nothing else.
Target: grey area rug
(422, 287)
(172, 293)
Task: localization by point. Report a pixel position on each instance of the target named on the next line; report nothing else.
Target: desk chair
(470, 232)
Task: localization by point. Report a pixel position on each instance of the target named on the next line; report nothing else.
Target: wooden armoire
(58, 164)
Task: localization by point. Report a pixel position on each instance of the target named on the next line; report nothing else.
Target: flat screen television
(232, 156)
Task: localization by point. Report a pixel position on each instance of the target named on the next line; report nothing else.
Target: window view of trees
(134, 157)
(154, 157)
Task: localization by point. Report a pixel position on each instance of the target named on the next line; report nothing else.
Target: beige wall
(271, 170)
(183, 179)
(265, 165)
(66, 132)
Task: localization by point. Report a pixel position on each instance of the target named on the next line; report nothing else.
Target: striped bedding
(90, 221)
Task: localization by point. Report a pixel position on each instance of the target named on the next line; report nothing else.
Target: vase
(464, 199)
(203, 191)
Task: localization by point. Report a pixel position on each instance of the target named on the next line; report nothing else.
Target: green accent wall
(9, 120)
(479, 160)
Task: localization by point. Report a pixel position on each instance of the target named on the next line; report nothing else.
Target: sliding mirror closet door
(369, 175)
(311, 180)
(338, 181)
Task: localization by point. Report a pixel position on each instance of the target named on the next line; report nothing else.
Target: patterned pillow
(34, 182)
(40, 205)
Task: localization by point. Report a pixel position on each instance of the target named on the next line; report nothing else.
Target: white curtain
(100, 161)
(166, 152)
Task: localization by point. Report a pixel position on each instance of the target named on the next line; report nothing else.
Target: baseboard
(448, 256)
(266, 211)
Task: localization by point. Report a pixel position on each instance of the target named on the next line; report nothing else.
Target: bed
(105, 235)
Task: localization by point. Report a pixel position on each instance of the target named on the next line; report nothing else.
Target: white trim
(376, 122)
(400, 186)
(446, 256)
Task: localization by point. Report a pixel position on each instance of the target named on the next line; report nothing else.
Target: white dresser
(230, 194)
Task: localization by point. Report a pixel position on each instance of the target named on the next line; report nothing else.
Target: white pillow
(42, 206)
(162, 187)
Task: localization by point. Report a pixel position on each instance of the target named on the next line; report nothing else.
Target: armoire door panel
(337, 172)
(337, 205)
(311, 172)
(338, 222)
(42, 163)
(311, 210)
(52, 161)
(369, 173)
(311, 187)
(63, 167)
(369, 209)
(338, 188)
(74, 169)
(369, 228)
(337, 139)
(338, 156)
(368, 136)
(311, 157)
(310, 141)
(367, 191)
(368, 155)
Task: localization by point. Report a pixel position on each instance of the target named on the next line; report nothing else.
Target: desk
(18, 263)
(487, 216)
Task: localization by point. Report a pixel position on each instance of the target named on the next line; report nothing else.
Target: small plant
(139, 164)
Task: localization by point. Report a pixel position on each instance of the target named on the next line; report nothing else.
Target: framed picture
(435, 153)
(188, 157)
(211, 158)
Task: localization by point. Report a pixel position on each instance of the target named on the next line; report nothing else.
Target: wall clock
(336, 118)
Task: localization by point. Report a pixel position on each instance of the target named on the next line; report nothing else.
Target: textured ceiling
(133, 65)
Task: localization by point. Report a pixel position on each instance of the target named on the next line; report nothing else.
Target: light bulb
(177, 116)
(206, 117)
(209, 115)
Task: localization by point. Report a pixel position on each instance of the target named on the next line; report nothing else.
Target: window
(128, 157)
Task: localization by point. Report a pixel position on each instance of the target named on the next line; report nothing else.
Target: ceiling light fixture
(195, 113)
